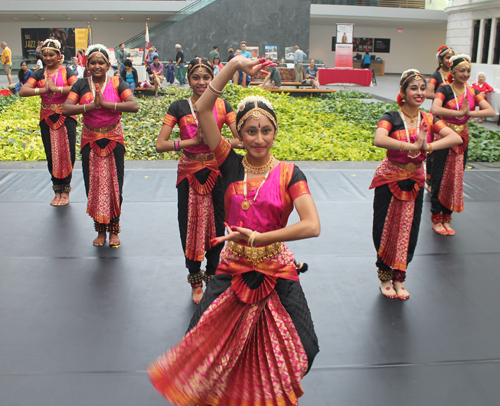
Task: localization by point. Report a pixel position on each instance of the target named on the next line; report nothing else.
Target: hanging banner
(343, 49)
(32, 39)
(81, 38)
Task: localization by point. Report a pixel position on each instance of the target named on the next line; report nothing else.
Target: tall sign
(343, 49)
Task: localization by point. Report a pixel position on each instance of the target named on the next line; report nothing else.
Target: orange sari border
(387, 172)
(222, 151)
(230, 118)
(126, 93)
(169, 120)
(73, 96)
(116, 134)
(385, 125)
(188, 167)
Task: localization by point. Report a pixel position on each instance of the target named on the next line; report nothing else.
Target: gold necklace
(411, 119)
(258, 169)
(245, 204)
(456, 91)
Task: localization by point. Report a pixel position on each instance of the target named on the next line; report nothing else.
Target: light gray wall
(228, 22)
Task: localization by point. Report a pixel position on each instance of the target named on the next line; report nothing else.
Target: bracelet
(84, 108)
(430, 148)
(252, 238)
(402, 147)
(61, 90)
(115, 106)
(214, 91)
(177, 146)
(37, 90)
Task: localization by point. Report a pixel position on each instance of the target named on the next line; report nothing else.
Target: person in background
(130, 76)
(170, 68)
(231, 54)
(242, 77)
(483, 88)
(273, 78)
(298, 59)
(24, 74)
(156, 77)
(58, 131)
(179, 64)
(312, 75)
(121, 55)
(7, 61)
(217, 65)
(39, 63)
(80, 54)
(151, 55)
(455, 104)
(78, 69)
(366, 60)
(214, 53)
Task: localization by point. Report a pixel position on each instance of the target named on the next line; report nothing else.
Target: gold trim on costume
(199, 157)
(464, 62)
(103, 130)
(257, 254)
(455, 127)
(409, 166)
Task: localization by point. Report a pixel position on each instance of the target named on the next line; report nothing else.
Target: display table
(377, 66)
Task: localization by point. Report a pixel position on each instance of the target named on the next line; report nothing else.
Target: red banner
(343, 56)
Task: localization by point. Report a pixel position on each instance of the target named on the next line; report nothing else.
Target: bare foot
(448, 229)
(64, 200)
(401, 291)
(387, 290)
(55, 200)
(114, 240)
(439, 228)
(100, 240)
(197, 294)
(480, 120)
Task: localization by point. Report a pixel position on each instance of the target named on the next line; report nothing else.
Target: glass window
(475, 40)
(486, 40)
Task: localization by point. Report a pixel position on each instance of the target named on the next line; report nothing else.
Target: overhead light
(148, 18)
(41, 18)
(69, 18)
(400, 30)
(15, 18)
(121, 18)
(95, 18)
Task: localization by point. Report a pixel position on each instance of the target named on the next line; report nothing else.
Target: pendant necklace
(245, 205)
(411, 154)
(48, 75)
(193, 112)
(455, 96)
(412, 119)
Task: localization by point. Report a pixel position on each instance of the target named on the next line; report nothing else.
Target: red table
(361, 77)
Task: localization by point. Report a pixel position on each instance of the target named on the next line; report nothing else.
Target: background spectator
(483, 88)
(78, 69)
(312, 75)
(179, 64)
(366, 60)
(129, 75)
(298, 59)
(170, 68)
(7, 61)
(24, 74)
(214, 53)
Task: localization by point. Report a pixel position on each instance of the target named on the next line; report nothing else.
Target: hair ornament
(56, 47)
(410, 74)
(443, 50)
(200, 63)
(98, 48)
(459, 60)
(255, 98)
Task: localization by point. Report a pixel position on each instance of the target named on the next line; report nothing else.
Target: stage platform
(79, 324)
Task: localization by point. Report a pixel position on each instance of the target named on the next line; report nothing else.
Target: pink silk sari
(103, 203)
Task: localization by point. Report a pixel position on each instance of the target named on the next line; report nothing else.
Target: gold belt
(103, 130)
(257, 254)
(455, 127)
(409, 166)
(199, 157)
(52, 106)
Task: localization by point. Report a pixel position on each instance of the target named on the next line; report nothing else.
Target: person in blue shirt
(243, 78)
(24, 74)
(312, 75)
(366, 60)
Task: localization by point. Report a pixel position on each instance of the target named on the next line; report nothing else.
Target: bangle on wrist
(402, 146)
(252, 238)
(37, 90)
(214, 91)
(84, 108)
(430, 148)
(115, 106)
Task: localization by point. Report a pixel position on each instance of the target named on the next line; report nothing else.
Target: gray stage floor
(79, 324)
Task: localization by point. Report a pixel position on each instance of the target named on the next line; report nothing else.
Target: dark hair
(127, 62)
(200, 62)
(20, 74)
(250, 106)
(52, 45)
(156, 57)
(442, 52)
(103, 51)
(123, 43)
(215, 47)
(231, 51)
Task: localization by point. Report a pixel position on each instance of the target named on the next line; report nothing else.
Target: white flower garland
(56, 42)
(464, 56)
(95, 47)
(250, 99)
(408, 71)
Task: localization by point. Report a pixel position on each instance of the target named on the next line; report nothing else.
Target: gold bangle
(61, 90)
(37, 90)
(84, 108)
(252, 237)
(430, 148)
(402, 146)
(115, 106)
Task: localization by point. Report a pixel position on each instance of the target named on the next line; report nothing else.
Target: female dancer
(199, 185)
(400, 178)
(252, 339)
(454, 103)
(101, 100)
(443, 55)
(53, 84)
